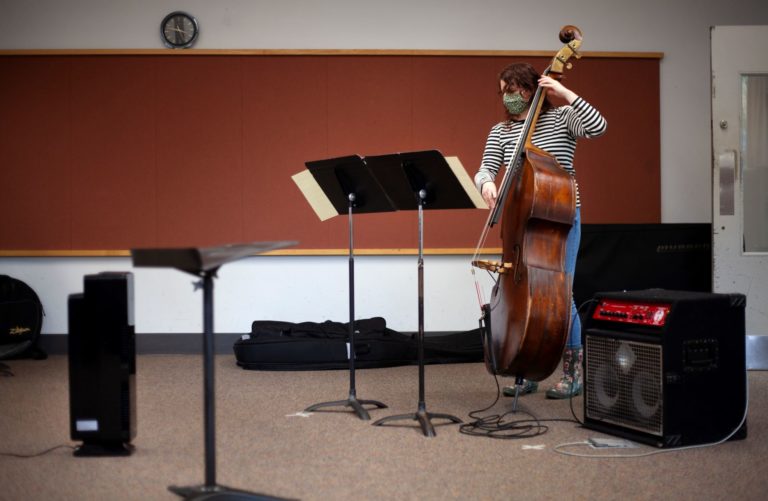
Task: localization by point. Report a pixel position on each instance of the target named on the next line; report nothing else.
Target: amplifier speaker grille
(626, 386)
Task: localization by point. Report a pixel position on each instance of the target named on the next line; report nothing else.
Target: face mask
(515, 103)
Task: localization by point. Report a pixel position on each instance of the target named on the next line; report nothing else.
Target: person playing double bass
(556, 132)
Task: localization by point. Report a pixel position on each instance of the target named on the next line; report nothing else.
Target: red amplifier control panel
(631, 312)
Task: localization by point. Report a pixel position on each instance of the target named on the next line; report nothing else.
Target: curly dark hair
(523, 76)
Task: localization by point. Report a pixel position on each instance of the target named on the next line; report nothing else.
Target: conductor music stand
(423, 180)
(204, 263)
(350, 187)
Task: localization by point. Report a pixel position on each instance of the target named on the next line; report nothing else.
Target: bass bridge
(493, 266)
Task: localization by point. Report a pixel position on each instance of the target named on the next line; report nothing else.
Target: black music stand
(421, 180)
(350, 187)
(204, 263)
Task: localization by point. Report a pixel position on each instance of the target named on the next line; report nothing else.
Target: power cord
(501, 427)
(37, 454)
(570, 397)
(498, 425)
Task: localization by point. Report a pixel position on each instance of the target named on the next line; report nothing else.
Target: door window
(754, 155)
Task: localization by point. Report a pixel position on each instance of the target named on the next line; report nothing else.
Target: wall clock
(179, 30)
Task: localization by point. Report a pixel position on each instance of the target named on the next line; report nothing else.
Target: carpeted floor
(265, 445)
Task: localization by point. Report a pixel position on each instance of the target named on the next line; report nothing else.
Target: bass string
(475, 257)
(492, 214)
(509, 172)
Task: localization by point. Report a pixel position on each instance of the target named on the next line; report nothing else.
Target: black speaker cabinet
(673, 256)
(102, 365)
(666, 368)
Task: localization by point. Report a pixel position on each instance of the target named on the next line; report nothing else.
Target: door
(740, 174)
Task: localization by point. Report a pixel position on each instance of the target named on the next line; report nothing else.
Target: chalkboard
(104, 152)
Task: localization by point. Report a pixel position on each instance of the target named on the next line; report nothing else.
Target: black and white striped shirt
(556, 133)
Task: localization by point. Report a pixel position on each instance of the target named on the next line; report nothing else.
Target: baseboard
(169, 344)
(154, 344)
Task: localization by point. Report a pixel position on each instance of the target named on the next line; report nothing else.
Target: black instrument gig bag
(277, 345)
(21, 320)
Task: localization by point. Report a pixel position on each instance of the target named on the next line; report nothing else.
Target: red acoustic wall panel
(112, 152)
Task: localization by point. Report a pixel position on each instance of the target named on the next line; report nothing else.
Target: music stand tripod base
(220, 493)
(423, 417)
(356, 405)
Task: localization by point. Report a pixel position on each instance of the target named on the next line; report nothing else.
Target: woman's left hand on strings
(555, 88)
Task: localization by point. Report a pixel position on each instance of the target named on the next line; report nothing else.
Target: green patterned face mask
(515, 103)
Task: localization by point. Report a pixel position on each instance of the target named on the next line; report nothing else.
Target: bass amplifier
(666, 368)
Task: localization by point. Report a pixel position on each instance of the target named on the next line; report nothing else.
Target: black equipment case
(277, 345)
(21, 320)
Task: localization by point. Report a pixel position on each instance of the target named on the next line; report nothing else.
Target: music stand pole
(422, 416)
(351, 278)
(211, 490)
(420, 349)
(205, 263)
(351, 401)
(209, 397)
(362, 413)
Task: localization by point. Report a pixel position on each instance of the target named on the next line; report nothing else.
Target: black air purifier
(102, 365)
(666, 368)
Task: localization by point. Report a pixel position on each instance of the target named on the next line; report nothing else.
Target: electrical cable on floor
(502, 427)
(497, 425)
(37, 454)
(570, 397)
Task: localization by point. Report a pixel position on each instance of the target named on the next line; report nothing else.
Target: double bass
(525, 324)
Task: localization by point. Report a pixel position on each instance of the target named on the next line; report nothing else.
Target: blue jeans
(571, 251)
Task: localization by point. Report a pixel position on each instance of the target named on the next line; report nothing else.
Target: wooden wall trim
(284, 252)
(317, 52)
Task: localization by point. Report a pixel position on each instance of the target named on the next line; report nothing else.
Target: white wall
(679, 29)
(285, 288)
